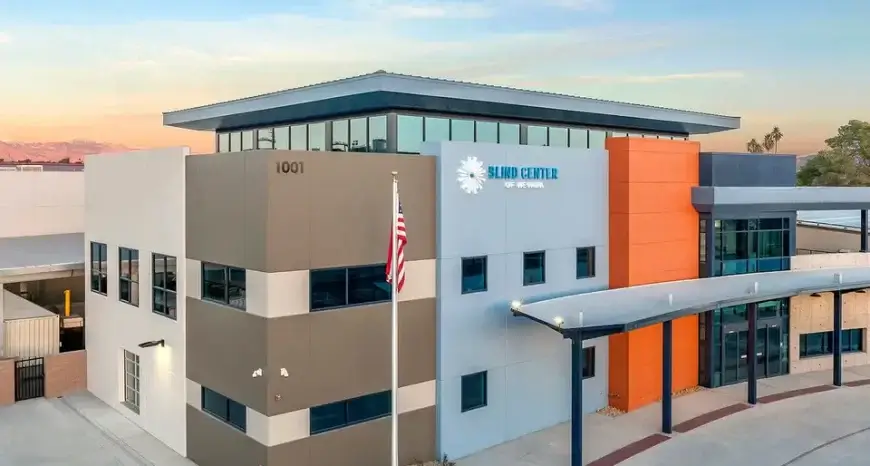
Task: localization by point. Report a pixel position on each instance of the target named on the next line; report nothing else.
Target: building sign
(472, 175)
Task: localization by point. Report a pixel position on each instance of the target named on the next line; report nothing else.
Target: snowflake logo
(471, 175)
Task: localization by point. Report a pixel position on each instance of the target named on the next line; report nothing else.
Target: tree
(769, 143)
(63, 160)
(845, 161)
(753, 147)
(776, 135)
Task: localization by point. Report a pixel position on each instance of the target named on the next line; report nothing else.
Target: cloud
(426, 10)
(652, 79)
(580, 5)
(4, 38)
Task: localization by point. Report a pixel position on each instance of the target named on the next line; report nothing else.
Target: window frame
(228, 420)
(346, 404)
(543, 268)
(485, 274)
(346, 304)
(135, 297)
(133, 403)
(589, 362)
(226, 282)
(484, 389)
(590, 258)
(156, 287)
(827, 343)
(102, 275)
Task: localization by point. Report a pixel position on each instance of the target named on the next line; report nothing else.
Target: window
(822, 343)
(589, 362)
(223, 142)
(282, 138)
(225, 409)
(131, 381)
(509, 133)
(537, 136)
(332, 288)
(585, 262)
(473, 391)
(437, 129)
(223, 284)
(345, 413)
(597, 139)
(99, 279)
(358, 135)
(486, 131)
(339, 136)
(128, 278)
(247, 140)
(316, 137)
(533, 268)
(299, 137)
(578, 138)
(163, 269)
(235, 142)
(378, 134)
(558, 137)
(410, 134)
(266, 138)
(473, 274)
(462, 130)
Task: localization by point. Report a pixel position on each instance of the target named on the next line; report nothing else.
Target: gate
(29, 378)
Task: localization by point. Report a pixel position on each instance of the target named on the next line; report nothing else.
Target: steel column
(751, 358)
(863, 230)
(577, 400)
(838, 338)
(667, 375)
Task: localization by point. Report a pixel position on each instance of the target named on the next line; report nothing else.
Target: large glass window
(578, 138)
(822, 343)
(266, 138)
(585, 262)
(533, 268)
(537, 135)
(99, 268)
(248, 140)
(345, 413)
(299, 137)
(437, 129)
(316, 137)
(558, 137)
(282, 138)
(223, 284)
(378, 133)
(474, 391)
(589, 362)
(132, 385)
(597, 139)
(332, 288)
(508, 133)
(410, 134)
(227, 410)
(340, 131)
(163, 283)
(751, 245)
(223, 142)
(235, 142)
(486, 131)
(462, 130)
(359, 140)
(473, 274)
(128, 276)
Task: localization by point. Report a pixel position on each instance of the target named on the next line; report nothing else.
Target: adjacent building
(238, 308)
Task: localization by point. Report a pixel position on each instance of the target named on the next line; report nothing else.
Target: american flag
(398, 236)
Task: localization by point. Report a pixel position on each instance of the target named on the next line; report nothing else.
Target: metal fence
(29, 378)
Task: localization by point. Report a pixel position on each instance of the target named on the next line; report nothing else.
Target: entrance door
(736, 356)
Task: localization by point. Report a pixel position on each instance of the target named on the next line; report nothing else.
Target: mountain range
(48, 152)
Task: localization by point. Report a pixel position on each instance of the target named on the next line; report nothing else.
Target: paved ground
(766, 435)
(78, 430)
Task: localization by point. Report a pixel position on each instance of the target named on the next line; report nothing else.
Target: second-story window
(163, 269)
(128, 276)
(224, 284)
(352, 286)
(99, 277)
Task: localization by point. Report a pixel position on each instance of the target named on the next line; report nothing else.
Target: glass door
(734, 355)
(774, 351)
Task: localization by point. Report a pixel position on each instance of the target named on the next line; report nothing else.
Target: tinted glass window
(537, 135)
(328, 417)
(596, 139)
(99, 270)
(282, 138)
(299, 137)
(462, 130)
(437, 129)
(589, 362)
(235, 142)
(340, 136)
(508, 133)
(316, 137)
(247, 140)
(368, 407)
(378, 134)
(266, 138)
(474, 391)
(128, 279)
(359, 138)
(558, 137)
(410, 134)
(328, 288)
(223, 408)
(223, 284)
(533, 268)
(578, 138)
(223, 142)
(473, 274)
(585, 262)
(349, 412)
(486, 131)
(367, 285)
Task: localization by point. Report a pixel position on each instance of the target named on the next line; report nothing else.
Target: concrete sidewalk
(605, 435)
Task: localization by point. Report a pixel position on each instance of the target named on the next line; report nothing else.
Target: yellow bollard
(66, 303)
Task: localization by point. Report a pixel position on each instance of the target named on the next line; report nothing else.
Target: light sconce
(816, 295)
(516, 305)
(284, 372)
(257, 373)
(150, 344)
(559, 321)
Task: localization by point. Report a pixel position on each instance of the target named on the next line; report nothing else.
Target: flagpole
(394, 387)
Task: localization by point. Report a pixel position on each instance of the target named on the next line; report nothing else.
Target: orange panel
(653, 238)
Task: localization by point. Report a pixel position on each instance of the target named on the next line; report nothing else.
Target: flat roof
(620, 310)
(15, 307)
(380, 91)
(727, 200)
(46, 253)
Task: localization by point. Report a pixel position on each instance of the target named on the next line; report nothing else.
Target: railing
(830, 226)
(47, 167)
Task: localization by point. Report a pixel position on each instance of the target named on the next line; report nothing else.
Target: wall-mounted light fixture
(257, 373)
(150, 344)
(516, 305)
(816, 295)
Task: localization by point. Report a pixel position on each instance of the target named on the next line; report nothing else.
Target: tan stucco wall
(810, 314)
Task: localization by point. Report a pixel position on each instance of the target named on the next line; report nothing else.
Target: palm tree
(753, 147)
(776, 135)
(768, 143)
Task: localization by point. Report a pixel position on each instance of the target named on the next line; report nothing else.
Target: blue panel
(738, 170)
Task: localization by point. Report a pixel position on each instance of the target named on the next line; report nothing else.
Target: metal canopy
(46, 253)
(382, 91)
(619, 310)
(724, 200)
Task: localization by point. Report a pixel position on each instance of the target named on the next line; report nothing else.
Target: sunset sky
(105, 70)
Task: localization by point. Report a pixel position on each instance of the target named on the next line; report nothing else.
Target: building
(273, 346)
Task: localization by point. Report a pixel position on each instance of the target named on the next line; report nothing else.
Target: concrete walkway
(794, 421)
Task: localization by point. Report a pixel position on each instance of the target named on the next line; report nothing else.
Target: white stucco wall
(41, 203)
(136, 200)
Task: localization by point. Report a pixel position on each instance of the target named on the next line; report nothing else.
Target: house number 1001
(289, 167)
